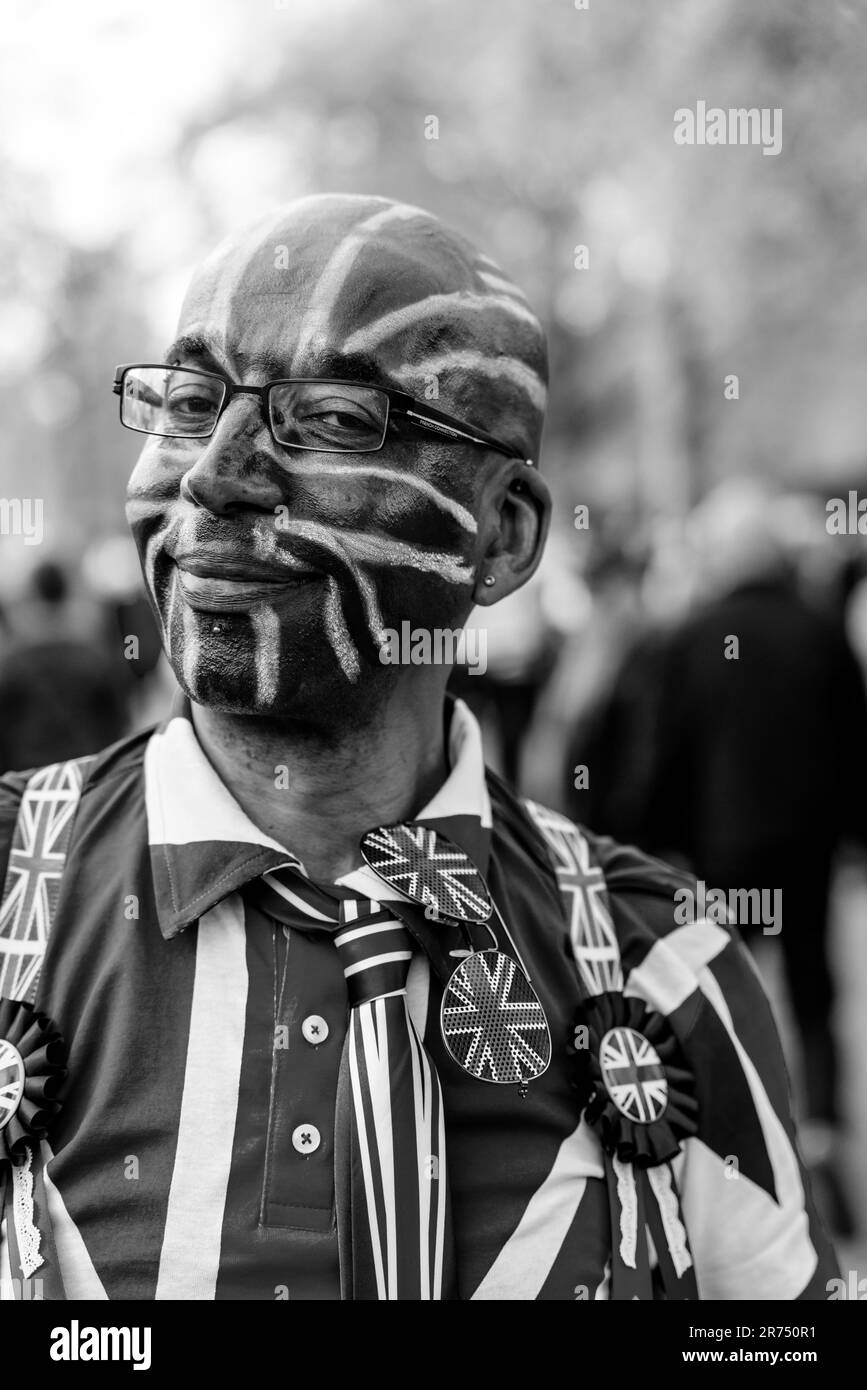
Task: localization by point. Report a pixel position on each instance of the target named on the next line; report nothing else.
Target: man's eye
(343, 419)
(341, 411)
(191, 404)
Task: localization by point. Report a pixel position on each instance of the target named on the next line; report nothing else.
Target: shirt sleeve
(11, 787)
(749, 1212)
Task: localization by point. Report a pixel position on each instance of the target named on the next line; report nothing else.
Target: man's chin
(304, 687)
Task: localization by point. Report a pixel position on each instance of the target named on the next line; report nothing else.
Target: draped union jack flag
(36, 861)
(158, 826)
(634, 1075)
(582, 883)
(492, 1022)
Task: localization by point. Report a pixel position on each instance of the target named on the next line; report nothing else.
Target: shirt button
(314, 1029)
(306, 1139)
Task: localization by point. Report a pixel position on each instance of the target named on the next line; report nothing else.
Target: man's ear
(514, 515)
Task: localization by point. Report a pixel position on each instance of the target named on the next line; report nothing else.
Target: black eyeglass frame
(400, 402)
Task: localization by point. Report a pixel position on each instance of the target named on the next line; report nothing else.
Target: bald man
(298, 1001)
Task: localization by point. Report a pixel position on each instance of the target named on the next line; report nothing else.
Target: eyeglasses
(322, 414)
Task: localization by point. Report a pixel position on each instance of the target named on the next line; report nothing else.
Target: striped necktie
(391, 1187)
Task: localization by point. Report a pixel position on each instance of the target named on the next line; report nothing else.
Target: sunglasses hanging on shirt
(491, 1020)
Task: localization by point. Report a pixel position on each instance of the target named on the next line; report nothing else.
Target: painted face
(273, 571)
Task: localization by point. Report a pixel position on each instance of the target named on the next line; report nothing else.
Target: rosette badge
(640, 1094)
(32, 1070)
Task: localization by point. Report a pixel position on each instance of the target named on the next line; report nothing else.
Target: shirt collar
(204, 846)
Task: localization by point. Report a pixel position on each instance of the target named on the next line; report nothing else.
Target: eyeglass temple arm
(440, 427)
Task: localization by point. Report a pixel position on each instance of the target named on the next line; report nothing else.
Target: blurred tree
(554, 130)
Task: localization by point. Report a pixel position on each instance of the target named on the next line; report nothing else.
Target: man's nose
(238, 469)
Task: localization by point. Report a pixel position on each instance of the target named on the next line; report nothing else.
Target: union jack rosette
(640, 1095)
(32, 1070)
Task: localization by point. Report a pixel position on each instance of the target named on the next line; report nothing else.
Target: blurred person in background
(60, 696)
(588, 749)
(128, 630)
(758, 766)
(521, 639)
(607, 686)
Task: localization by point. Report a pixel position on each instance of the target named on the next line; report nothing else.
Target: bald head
(361, 286)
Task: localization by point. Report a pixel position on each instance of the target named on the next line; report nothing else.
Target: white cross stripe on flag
(11, 1081)
(634, 1075)
(582, 883)
(36, 862)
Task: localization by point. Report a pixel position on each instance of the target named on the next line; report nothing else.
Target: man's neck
(318, 797)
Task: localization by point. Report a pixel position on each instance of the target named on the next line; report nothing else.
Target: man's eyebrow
(356, 367)
(190, 345)
(196, 345)
(262, 361)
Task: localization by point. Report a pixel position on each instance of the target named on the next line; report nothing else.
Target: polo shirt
(194, 1154)
(193, 1157)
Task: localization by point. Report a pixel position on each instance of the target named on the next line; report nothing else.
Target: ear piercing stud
(489, 580)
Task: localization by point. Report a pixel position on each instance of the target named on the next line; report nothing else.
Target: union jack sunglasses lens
(430, 869)
(492, 1022)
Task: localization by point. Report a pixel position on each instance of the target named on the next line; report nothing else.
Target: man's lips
(216, 580)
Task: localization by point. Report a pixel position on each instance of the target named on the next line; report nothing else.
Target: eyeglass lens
(322, 415)
(170, 401)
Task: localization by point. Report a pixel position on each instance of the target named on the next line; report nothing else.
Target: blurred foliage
(555, 129)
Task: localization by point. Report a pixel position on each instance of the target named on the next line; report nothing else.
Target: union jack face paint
(274, 571)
